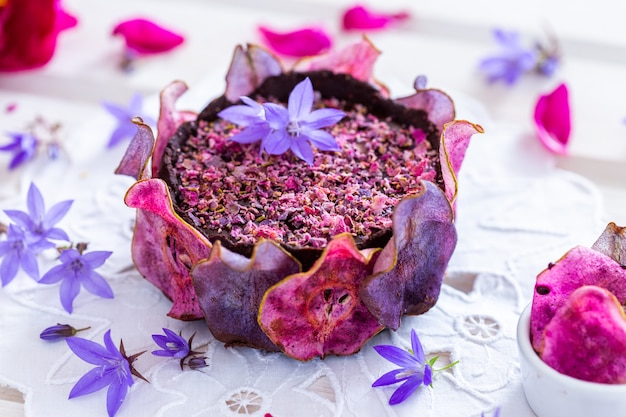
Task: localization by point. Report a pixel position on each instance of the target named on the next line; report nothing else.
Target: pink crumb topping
(230, 188)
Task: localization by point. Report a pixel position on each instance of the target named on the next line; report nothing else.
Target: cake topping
(240, 196)
(280, 129)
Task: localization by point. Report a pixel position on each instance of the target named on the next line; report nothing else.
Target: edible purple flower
(23, 146)
(113, 369)
(250, 115)
(513, 61)
(280, 129)
(39, 223)
(126, 129)
(18, 251)
(414, 370)
(59, 331)
(496, 414)
(78, 269)
(175, 346)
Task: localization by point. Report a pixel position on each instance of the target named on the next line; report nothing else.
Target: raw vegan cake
(303, 211)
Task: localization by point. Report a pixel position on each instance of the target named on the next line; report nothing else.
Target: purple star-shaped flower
(124, 115)
(414, 370)
(173, 345)
(113, 369)
(513, 61)
(23, 147)
(39, 223)
(17, 251)
(78, 269)
(280, 129)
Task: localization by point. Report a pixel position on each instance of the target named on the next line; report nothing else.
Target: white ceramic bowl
(553, 394)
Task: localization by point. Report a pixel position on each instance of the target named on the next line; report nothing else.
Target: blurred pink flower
(552, 120)
(360, 18)
(28, 32)
(299, 43)
(143, 36)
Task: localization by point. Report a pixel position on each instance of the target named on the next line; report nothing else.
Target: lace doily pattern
(514, 216)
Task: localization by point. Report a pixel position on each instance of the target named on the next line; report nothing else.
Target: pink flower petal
(28, 32)
(298, 43)
(552, 120)
(145, 37)
(360, 18)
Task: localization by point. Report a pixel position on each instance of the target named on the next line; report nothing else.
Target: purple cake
(305, 257)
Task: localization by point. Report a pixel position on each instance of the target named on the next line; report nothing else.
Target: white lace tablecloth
(516, 213)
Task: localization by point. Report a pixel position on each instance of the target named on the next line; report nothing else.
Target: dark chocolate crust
(330, 85)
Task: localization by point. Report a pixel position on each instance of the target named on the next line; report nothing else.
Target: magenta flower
(360, 18)
(78, 269)
(295, 128)
(18, 251)
(39, 223)
(126, 129)
(298, 43)
(113, 370)
(23, 146)
(413, 371)
(29, 31)
(513, 61)
(553, 120)
(143, 36)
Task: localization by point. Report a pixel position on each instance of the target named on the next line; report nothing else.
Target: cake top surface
(233, 191)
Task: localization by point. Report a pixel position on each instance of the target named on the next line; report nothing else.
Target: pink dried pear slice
(612, 243)
(135, 160)
(455, 139)
(586, 338)
(437, 104)
(408, 273)
(248, 69)
(357, 59)
(230, 288)
(170, 119)
(165, 248)
(319, 312)
(580, 266)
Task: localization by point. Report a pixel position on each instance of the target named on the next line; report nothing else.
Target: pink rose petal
(28, 32)
(552, 120)
(298, 43)
(360, 18)
(146, 37)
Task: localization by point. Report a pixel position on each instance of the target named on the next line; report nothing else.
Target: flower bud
(197, 363)
(60, 331)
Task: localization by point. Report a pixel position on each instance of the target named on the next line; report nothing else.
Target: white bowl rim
(526, 349)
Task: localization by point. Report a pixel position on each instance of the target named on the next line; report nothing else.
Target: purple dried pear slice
(165, 248)
(586, 338)
(579, 266)
(612, 243)
(454, 142)
(248, 69)
(230, 288)
(319, 312)
(408, 273)
(436, 103)
(169, 120)
(357, 60)
(135, 160)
